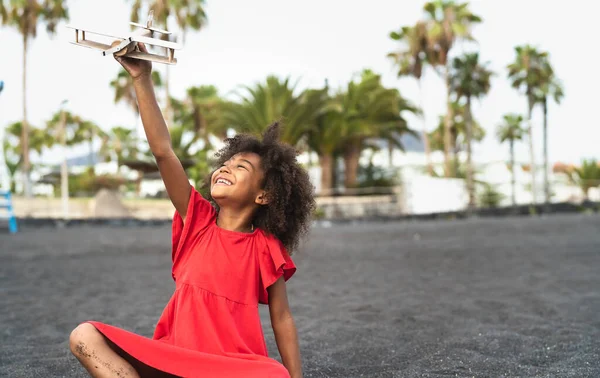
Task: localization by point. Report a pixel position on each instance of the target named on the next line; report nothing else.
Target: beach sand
(509, 297)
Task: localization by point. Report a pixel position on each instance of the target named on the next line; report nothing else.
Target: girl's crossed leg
(103, 358)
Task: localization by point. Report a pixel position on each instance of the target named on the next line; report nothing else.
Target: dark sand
(511, 297)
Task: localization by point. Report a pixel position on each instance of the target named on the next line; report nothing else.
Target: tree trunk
(455, 160)
(119, 154)
(546, 182)
(25, 130)
(531, 150)
(138, 184)
(424, 134)
(513, 180)
(91, 145)
(391, 154)
(469, 165)
(204, 129)
(335, 171)
(326, 164)
(447, 127)
(351, 157)
(136, 133)
(64, 169)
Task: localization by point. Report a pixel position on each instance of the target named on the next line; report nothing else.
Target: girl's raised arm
(157, 133)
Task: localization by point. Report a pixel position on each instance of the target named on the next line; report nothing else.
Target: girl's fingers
(142, 47)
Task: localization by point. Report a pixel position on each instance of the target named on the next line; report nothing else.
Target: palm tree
(469, 79)
(182, 143)
(195, 119)
(125, 91)
(13, 150)
(323, 137)
(12, 161)
(38, 139)
(458, 132)
(511, 130)
(77, 129)
(185, 132)
(310, 117)
(550, 87)
(411, 60)
(121, 142)
(587, 176)
(89, 131)
(204, 113)
(188, 14)
(369, 111)
(448, 21)
(266, 102)
(68, 129)
(25, 17)
(527, 73)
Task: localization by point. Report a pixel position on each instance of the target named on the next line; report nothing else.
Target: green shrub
(372, 176)
(87, 183)
(490, 197)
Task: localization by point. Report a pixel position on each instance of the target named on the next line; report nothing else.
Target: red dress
(211, 325)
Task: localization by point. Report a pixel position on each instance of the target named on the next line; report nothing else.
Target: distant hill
(82, 160)
(87, 159)
(410, 143)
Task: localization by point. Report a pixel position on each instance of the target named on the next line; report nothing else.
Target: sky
(315, 40)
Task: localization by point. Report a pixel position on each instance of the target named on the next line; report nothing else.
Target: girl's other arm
(157, 133)
(284, 328)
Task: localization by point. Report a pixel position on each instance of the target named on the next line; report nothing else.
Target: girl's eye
(241, 166)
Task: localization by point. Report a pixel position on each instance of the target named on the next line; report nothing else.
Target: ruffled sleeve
(200, 214)
(274, 262)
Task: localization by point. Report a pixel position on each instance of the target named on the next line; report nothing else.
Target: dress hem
(182, 362)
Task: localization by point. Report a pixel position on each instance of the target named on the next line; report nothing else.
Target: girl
(227, 258)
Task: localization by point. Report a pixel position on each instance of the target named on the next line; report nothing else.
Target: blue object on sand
(6, 203)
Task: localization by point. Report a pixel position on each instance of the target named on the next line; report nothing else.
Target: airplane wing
(156, 42)
(150, 28)
(92, 45)
(151, 57)
(86, 30)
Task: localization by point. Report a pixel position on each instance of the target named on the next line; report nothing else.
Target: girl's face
(238, 181)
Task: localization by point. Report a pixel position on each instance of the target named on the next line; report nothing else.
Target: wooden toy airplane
(127, 46)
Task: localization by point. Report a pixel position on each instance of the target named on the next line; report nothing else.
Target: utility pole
(64, 173)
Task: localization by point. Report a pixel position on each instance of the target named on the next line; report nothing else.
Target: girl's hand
(136, 67)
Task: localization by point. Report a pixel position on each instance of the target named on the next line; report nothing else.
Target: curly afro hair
(291, 204)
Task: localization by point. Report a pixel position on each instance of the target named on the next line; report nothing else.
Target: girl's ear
(262, 198)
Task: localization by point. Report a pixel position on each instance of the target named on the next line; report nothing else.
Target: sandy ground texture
(510, 297)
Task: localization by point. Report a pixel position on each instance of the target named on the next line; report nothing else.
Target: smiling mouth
(223, 181)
